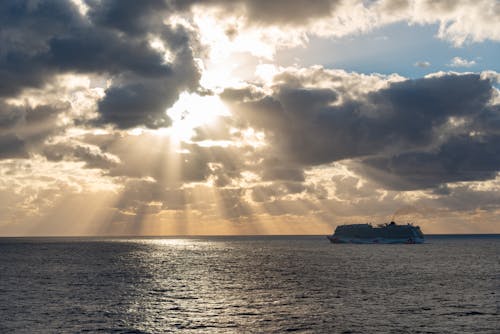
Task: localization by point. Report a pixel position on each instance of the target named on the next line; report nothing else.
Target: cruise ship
(391, 233)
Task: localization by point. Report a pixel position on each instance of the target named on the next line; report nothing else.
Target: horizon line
(218, 235)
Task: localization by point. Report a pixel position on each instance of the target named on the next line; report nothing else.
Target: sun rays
(192, 111)
(245, 117)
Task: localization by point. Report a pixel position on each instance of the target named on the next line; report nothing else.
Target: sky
(218, 117)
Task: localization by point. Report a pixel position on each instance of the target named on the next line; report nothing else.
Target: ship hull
(347, 240)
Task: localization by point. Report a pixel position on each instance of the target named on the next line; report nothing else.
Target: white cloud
(261, 29)
(422, 64)
(461, 62)
(289, 144)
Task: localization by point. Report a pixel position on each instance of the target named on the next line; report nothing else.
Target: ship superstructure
(391, 233)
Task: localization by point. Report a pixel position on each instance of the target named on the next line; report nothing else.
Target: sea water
(248, 284)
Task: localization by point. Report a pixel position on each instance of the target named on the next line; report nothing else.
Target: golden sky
(222, 117)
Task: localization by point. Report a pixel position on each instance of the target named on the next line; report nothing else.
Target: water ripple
(271, 285)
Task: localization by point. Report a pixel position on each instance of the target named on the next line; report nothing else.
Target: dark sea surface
(450, 284)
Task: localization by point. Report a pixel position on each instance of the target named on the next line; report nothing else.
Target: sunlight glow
(192, 111)
(157, 44)
(227, 36)
(266, 72)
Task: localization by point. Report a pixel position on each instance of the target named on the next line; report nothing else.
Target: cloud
(377, 126)
(10, 115)
(91, 155)
(114, 39)
(459, 22)
(461, 158)
(12, 147)
(392, 134)
(422, 64)
(275, 12)
(46, 38)
(276, 190)
(426, 120)
(84, 95)
(24, 127)
(137, 103)
(132, 17)
(461, 62)
(470, 197)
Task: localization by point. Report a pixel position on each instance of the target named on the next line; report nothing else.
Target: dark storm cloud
(285, 11)
(241, 94)
(130, 16)
(388, 129)
(44, 113)
(136, 100)
(137, 103)
(461, 158)
(24, 128)
(43, 38)
(271, 12)
(12, 147)
(466, 198)
(274, 169)
(488, 121)
(105, 51)
(92, 156)
(10, 115)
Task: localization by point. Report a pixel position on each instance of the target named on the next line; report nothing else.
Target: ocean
(450, 284)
